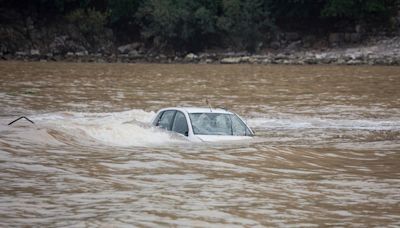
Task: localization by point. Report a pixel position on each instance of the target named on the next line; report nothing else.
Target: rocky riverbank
(377, 51)
(96, 32)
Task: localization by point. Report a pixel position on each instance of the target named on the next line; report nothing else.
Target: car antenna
(209, 105)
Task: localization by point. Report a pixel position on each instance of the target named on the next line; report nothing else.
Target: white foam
(299, 122)
(128, 128)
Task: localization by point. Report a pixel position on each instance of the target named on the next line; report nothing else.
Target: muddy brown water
(327, 150)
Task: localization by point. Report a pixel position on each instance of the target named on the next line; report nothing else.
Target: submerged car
(203, 124)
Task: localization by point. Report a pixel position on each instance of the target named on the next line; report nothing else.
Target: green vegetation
(194, 25)
(90, 22)
(357, 9)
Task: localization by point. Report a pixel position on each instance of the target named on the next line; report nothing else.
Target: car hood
(215, 138)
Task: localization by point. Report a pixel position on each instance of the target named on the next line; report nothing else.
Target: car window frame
(171, 123)
(186, 121)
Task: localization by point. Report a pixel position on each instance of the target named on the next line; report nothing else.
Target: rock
(336, 38)
(161, 57)
(204, 55)
(208, 61)
(21, 53)
(320, 56)
(231, 60)
(275, 45)
(294, 46)
(191, 57)
(63, 44)
(125, 49)
(134, 54)
(280, 56)
(266, 61)
(58, 44)
(245, 59)
(353, 62)
(354, 55)
(81, 53)
(292, 36)
(341, 61)
(34, 52)
(310, 61)
(253, 59)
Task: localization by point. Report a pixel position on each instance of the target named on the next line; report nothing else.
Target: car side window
(180, 124)
(238, 127)
(166, 120)
(157, 119)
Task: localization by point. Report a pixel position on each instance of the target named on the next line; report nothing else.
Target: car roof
(199, 110)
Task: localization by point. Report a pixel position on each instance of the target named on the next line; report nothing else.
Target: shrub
(88, 21)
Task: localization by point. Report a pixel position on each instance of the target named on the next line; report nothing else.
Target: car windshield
(218, 124)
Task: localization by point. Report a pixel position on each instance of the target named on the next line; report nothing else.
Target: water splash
(128, 128)
(299, 122)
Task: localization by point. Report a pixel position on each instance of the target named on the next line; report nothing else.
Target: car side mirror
(186, 134)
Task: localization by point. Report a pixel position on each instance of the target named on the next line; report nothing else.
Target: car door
(180, 124)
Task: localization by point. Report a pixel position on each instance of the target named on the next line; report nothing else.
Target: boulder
(254, 59)
(231, 60)
(161, 57)
(310, 60)
(320, 56)
(357, 55)
(58, 44)
(35, 52)
(266, 61)
(280, 56)
(81, 53)
(191, 57)
(245, 59)
(63, 44)
(293, 46)
(21, 53)
(133, 54)
(208, 61)
(125, 49)
(354, 62)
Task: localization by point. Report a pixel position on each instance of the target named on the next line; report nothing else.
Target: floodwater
(327, 151)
